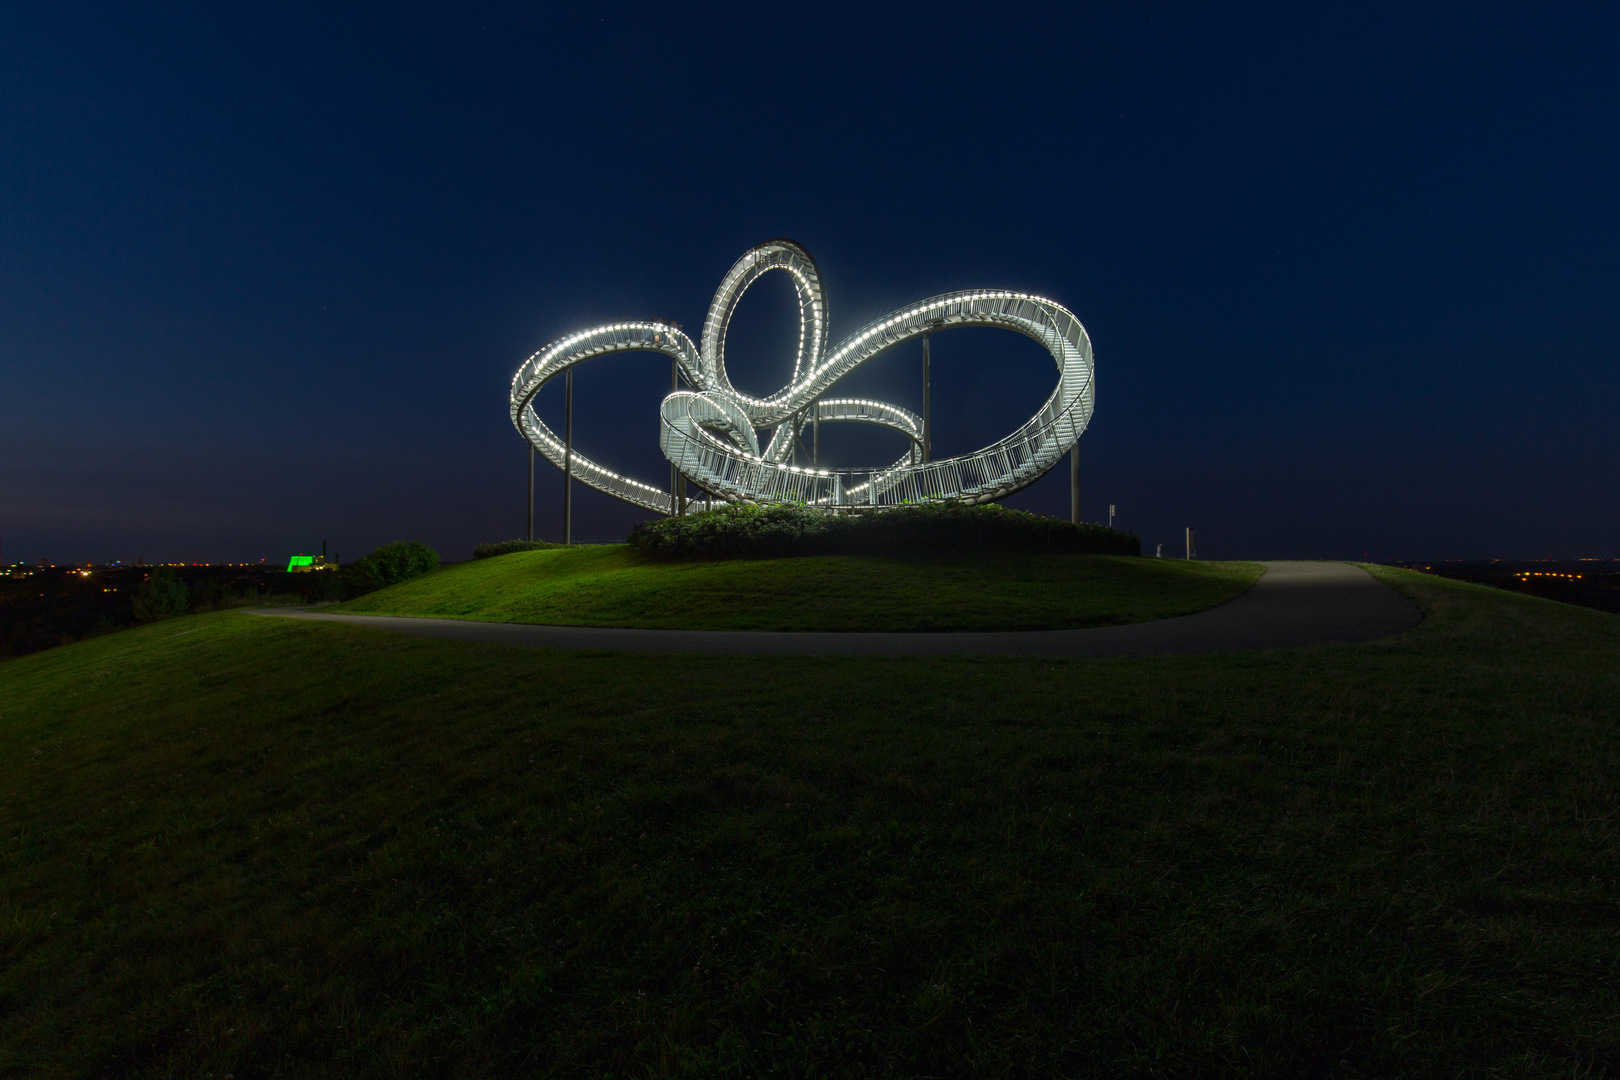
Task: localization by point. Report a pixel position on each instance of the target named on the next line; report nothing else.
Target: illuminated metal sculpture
(711, 433)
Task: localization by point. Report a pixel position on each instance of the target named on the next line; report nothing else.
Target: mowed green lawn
(251, 846)
(609, 586)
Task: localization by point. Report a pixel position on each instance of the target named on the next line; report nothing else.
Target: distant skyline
(1351, 272)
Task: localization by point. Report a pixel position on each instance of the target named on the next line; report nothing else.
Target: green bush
(389, 565)
(507, 547)
(163, 595)
(742, 530)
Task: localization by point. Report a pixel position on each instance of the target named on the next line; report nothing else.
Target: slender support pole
(674, 473)
(928, 406)
(531, 488)
(815, 434)
(1074, 484)
(1191, 537)
(568, 456)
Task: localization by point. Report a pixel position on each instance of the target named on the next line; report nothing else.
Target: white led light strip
(710, 432)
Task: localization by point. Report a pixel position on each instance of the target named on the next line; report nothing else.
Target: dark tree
(391, 564)
(161, 596)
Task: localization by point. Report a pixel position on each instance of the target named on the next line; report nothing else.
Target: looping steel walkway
(1293, 604)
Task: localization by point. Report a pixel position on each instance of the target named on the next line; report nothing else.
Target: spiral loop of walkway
(711, 432)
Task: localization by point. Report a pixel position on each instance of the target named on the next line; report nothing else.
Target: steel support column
(928, 413)
(1074, 484)
(674, 473)
(568, 456)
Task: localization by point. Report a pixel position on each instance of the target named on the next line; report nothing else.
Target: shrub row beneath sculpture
(743, 531)
(508, 547)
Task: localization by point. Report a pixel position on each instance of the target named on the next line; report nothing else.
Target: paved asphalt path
(1293, 604)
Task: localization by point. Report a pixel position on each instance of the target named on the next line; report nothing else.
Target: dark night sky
(266, 271)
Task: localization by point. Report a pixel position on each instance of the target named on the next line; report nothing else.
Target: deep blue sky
(1351, 272)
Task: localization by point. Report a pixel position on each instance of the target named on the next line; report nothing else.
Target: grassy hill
(609, 586)
(250, 846)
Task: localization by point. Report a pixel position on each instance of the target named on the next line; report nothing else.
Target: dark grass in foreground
(255, 846)
(611, 586)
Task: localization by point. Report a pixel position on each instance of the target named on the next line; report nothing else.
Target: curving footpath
(1293, 604)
